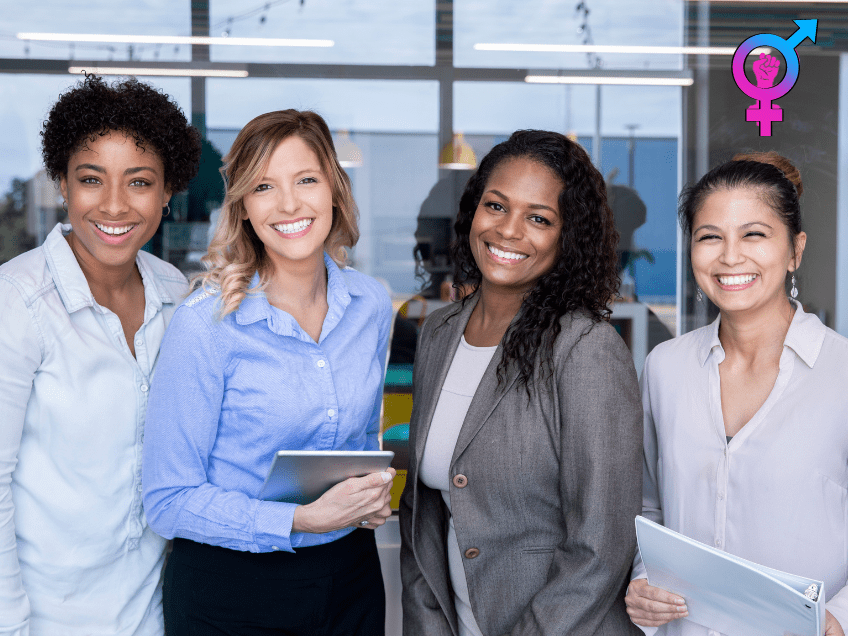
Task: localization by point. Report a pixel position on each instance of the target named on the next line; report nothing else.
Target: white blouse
(777, 493)
(467, 369)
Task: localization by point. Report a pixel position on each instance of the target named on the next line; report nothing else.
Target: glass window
(361, 31)
(478, 23)
(113, 17)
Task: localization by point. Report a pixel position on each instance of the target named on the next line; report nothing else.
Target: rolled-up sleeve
(182, 423)
(20, 357)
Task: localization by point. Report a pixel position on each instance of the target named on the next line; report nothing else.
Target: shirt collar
(805, 337)
(340, 287)
(71, 282)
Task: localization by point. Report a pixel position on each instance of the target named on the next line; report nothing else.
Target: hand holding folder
(729, 594)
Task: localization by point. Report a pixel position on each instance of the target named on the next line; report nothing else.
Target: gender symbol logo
(763, 111)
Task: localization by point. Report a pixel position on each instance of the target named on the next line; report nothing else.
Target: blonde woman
(282, 347)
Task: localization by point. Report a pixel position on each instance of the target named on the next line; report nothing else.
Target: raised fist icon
(766, 69)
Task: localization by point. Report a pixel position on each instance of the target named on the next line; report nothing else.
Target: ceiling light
(609, 79)
(599, 48)
(457, 154)
(168, 72)
(170, 39)
(347, 152)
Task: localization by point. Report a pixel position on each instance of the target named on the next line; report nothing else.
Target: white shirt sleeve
(651, 507)
(20, 357)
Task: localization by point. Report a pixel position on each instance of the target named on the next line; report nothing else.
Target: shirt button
(139, 488)
(460, 481)
(472, 553)
(138, 343)
(331, 412)
(720, 496)
(718, 543)
(321, 363)
(144, 388)
(275, 548)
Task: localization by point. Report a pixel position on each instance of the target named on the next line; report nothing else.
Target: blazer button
(471, 553)
(460, 481)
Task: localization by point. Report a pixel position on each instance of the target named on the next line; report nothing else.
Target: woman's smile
(516, 228)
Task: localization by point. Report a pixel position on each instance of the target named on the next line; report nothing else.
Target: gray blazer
(544, 491)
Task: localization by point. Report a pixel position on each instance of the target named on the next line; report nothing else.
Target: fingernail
(682, 609)
(386, 477)
(679, 601)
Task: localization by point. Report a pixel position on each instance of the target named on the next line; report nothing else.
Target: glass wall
(396, 80)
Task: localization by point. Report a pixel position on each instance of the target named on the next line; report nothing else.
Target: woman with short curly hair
(525, 436)
(81, 319)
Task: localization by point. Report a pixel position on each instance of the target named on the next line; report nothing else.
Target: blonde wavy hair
(236, 252)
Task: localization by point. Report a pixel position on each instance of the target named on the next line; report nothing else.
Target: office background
(411, 87)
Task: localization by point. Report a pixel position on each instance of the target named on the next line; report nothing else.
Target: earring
(794, 291)
(168, 208)
(65, 205)
(699, 295)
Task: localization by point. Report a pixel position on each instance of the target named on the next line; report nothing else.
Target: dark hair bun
(778, 161)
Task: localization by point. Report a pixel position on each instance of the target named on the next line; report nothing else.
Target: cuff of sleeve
(273, 524)
(639, 571)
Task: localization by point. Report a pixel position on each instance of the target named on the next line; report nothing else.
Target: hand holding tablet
(338, 489)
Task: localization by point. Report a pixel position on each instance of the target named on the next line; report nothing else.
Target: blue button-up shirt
(76, 555)
(230, 393)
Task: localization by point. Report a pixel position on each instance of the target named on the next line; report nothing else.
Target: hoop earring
(65, 205)
(168, 208)
(699, 295)
(794, 291)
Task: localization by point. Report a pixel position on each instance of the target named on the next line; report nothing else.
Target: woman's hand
(651, 606)
(832, 626)
(347, 504)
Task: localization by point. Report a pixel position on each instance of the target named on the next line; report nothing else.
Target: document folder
(729, 594)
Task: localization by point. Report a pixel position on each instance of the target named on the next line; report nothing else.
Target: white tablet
(303, 476)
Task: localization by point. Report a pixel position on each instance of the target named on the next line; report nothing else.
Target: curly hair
(585, 275)
(92, 108)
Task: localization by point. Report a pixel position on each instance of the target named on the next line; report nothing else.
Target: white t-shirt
(466, 370)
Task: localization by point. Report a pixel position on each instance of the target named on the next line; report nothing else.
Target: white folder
(728, 594)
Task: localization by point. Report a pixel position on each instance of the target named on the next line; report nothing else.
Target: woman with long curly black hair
(525, 436)
(81, 319)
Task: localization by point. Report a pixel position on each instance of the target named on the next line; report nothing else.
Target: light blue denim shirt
(76, 554)
(231, 393)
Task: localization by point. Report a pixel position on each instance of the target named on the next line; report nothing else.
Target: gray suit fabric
(553, 486)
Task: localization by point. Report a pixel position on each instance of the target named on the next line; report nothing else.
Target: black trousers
(334, 589)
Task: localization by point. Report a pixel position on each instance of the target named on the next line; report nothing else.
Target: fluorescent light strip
(609, 79)
(598, 48)
(170, 72)
(170, 39)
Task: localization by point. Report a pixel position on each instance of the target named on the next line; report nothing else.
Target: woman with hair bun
(282, 347)
(746, 420)
(81, 319)
(525, 437)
